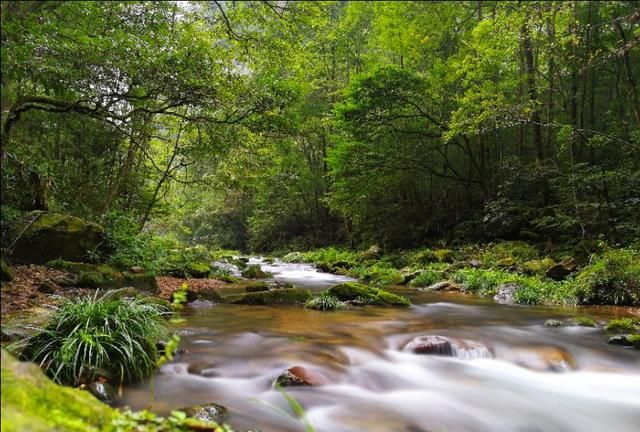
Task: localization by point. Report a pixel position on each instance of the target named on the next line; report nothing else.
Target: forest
(209, 204)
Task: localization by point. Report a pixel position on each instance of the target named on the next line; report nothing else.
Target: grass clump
(380, 274)
(96, 336)
(508, 252)
(584, 322)
(611, 278)
(325, 302)
(623, 325)
(482, 282)
(427, 278)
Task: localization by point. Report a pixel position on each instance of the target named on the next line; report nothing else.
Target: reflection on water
(528, 378)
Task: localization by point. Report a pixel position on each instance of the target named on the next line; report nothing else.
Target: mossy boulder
(105, 277)
(32, 402)
(197, 270)
(287, 296)
(351, 291)
(43, 236)
(6, 272)
(537, 267)
(257, 287)
(373, 253)
(254, 272)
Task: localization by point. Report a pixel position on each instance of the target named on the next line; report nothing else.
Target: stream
(509, 372)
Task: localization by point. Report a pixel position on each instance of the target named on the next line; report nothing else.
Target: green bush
(98, 336)
(381, 274)
(611, 278)
(325, 302)
(331, 256)
(483, 282)
(427, 278)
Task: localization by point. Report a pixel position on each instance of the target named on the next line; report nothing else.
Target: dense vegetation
(486, 147)
(262, 125)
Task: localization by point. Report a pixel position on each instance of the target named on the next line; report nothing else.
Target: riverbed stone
(562, 269)
(553, 323)
(43, 236)
(543, 358)
(254, 272)
(431, 344)
(443, 286)
(286, 296)
(210, 412)
(505, 293)
(352, 291)
(624, 340)
(299, 376)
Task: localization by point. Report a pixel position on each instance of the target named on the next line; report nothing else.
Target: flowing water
(509, 372)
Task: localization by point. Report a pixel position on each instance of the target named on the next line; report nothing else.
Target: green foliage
(427, 278)
(518, 251)
(380, 274)
(623, 325)
(6, 272)
(612, 277)
(483, 282)
(325, 302)
(93, 336)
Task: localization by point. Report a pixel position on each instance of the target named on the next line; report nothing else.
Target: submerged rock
(543, 358)
(210, 412)
(299, 376)
(47, 236)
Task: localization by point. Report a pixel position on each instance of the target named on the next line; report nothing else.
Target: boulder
(105, 277)
(254, 272)
(562, 269)
(625, 340)
(324, 267)
(505, 292)
(257, 287)
(299, 376)
(197, 270)
(6, 272)
(286, 296)
(211, 412)
(42, 237)
(351, 291)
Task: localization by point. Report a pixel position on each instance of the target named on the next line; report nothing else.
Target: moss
(257, 287)
(444, 255)
(197, 269)
(623, 325)
(354, 291)
(635, 340)
(254, 272)
(46, 236)
(30, 401)
(585, 322)
(104, 276)
(6, 273)
(293, 257)
(287, 296)
(537, 267)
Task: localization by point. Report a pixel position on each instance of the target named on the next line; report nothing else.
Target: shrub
(98, 336)
(331, 256)
(381, 274)
(483, 282)
(325, 302)
(612, 278)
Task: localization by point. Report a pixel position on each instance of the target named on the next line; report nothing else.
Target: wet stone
(210, 412)
(435, 345)
(299, 376)
(102, 390)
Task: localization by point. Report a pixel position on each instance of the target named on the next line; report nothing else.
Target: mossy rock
(207, 412)
(537, 267)
(254, 272)
(105, 277)
(444, 255)
(47, 236)
(287, 296)
(32, 402)
(351, 291)
(257, 287)
(623, 325)
(6, 272)
(197, 270)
